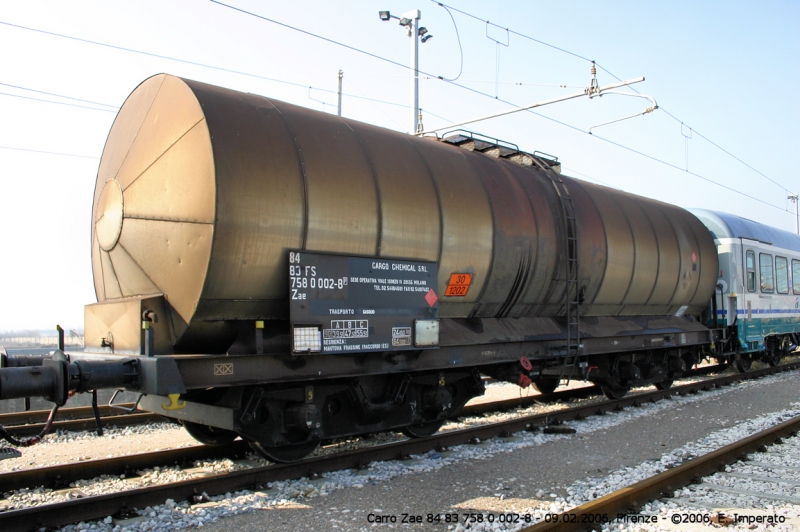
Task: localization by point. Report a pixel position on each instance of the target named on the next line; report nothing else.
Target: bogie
(209, 435)
(287, 423)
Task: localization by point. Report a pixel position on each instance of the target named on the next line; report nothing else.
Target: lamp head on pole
(410, 21)
(424, 35)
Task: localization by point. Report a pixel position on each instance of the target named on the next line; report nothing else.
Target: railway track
(256, 478)
(699, 484)
(60, 476)
(21, 424)
(30, 423)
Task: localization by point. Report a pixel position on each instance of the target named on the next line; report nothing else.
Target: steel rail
(98, 507)
(563, 395)
(31, 423)
(30, 417)
(61, 475)
(89, 424)
(58, 476)
(81, 418)
(631, 498)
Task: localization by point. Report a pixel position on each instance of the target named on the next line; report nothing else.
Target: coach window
(782, 275)
(751, 271)
(796, 276)
(766, 272)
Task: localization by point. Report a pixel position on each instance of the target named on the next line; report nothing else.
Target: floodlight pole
(339, 93)
(793, 197)
(410, 20)
(414, 15)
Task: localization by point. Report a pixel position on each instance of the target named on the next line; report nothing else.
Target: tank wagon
(267, 271)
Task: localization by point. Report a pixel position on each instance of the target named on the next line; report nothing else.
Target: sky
(724, 74)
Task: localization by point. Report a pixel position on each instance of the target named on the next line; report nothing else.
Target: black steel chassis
(278, 399)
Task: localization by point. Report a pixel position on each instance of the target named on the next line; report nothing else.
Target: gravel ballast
(528, 474)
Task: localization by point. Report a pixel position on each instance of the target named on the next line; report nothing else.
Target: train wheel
(664, 385)
(787, 346)
(546, 385)
(209, 435)
(285, 453)
(423, 430)
(743, 362)
(783, 351)
(725, 360)
(614, 392)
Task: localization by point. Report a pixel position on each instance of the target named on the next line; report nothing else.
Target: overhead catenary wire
(250, 74)
(595, 91)
(726, 151)
(58, 95)
(176, 59)
(353, 48)
(440, 78)
(189, 62)
(513, 32)
(358, 50)
(49, 152)
(56, 103)
(151, 54)
(387, 114)
(590, 178)
(362, 97)
(460, 48)
(310, 34)
(656, 159)
(343, 45)
(573, 54)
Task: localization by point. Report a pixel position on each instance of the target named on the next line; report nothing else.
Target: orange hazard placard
(458, 285)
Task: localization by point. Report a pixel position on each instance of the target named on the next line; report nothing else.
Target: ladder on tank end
(552, 169)
(572, 294)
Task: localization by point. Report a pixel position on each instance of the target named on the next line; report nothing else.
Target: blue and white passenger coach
(758, 292)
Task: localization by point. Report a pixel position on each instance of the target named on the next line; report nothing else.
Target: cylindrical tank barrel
(202, 190)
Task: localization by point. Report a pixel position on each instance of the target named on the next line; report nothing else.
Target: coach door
(755, 285)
